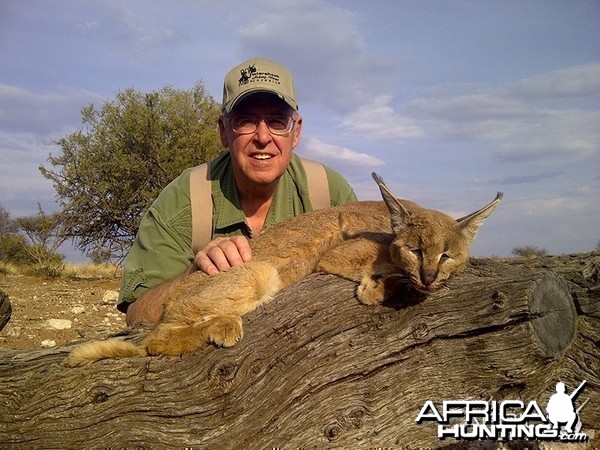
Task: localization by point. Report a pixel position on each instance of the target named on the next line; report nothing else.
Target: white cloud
(519, 127)
(469, 116)
(468, 107)
(22, 110)
(127, 28)
(576, 81)
(325, 49)
(551, 206)
(378, 120)
(314, 148)
(21, 184)
(554, 136)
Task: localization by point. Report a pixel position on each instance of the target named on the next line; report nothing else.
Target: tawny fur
(376, 244)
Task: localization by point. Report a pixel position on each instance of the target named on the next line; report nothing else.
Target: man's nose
(262, 132)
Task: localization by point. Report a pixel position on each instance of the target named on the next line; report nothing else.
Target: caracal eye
(417, 252)
(444, 257)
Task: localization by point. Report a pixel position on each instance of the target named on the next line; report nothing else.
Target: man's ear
(223, 132)
(297, 131)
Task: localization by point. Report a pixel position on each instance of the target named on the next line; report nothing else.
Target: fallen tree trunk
(317, 369)
(5, 309)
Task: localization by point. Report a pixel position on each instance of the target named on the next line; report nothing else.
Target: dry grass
(92, 271)
(74, 271)
(7, 268)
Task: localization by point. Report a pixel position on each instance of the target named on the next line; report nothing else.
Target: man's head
(260, 123)
(258, 75)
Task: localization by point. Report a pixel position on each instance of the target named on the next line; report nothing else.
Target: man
(256, 183)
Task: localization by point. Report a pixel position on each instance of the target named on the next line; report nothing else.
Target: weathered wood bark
(317, 369)
(5, 309)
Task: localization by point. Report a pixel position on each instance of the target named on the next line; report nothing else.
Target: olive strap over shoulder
(202, 206)
(318, 186)
(201, 198)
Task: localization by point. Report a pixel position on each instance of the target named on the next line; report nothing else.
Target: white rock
(13, 331)
(48, 343)
(110, 297)
(78, 309)
(58, 324)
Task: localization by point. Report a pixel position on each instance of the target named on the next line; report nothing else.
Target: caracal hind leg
(175, 339)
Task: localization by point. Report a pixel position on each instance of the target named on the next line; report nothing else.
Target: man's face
(260, 157)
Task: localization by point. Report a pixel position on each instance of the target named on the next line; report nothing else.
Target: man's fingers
(223, 253)
(205, 264)
(243, 246)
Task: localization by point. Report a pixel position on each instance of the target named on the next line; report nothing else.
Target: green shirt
(162, 249)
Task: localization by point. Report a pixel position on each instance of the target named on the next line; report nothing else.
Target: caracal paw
(370, 291)
(225, 331)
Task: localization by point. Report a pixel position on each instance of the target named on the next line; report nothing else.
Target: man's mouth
(261, 156)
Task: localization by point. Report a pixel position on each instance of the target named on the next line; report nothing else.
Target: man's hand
(150, 306)
(219, 255)
(223, 253)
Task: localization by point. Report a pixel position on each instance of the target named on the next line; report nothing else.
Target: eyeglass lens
(249, 124)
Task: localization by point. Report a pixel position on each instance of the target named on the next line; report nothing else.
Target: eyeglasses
(246, 124)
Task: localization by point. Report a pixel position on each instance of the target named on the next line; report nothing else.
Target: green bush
(529, 251)
(14, 249)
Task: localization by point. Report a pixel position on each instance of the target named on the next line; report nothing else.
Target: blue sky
(449, 101)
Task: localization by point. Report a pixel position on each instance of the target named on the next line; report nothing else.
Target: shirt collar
(227, 209)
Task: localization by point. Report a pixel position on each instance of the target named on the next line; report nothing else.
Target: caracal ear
(471, 223)
(398, 213)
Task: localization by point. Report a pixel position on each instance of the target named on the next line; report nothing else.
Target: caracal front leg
(371, 290)
(380, 286)
(365, 261)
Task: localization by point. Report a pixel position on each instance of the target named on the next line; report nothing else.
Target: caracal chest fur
(376, 244)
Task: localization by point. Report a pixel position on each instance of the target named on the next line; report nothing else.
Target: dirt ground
(84, 309)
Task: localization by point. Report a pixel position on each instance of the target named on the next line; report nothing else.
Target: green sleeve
(339, 189)
(162, 248)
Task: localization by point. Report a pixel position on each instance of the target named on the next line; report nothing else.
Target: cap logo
(250, 75)
(258, 75)
(246, 74)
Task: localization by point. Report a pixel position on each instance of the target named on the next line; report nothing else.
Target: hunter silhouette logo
(247, 74)
(561, 408)
(509, 420)
(251, 74)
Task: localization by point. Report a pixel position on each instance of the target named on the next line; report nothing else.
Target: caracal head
(430, 246)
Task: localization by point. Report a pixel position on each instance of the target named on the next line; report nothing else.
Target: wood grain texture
(5, 309)
(317, 369)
